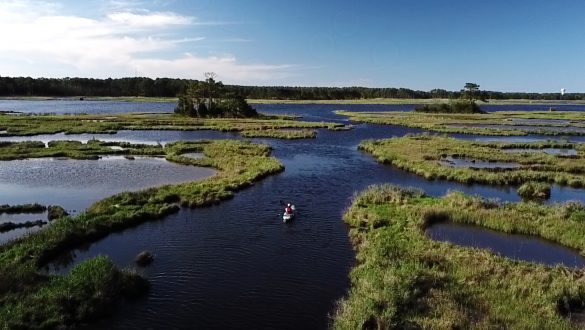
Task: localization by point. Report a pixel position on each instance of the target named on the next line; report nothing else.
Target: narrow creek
(236, 265)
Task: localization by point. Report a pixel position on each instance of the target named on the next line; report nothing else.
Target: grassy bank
(403, 279)
(93, 149)
(19, 125)
(492, 123)
(31, 299)
(422, 155)
(290, 134)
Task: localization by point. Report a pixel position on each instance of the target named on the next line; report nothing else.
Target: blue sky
(518, 45)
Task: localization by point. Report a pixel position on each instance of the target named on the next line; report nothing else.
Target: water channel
(236, 265)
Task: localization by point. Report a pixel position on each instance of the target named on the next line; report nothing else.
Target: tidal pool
(76, 184)
(550, 151)
(513, 246)
(527, 128)
(540, 121)
(472, 163)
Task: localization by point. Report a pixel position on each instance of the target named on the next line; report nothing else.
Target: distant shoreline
(388, 101)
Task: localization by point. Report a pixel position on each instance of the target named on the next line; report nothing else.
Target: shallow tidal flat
(406, 279)
(562, 123)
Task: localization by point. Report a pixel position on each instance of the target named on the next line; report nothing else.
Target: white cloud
(149, 19)
(190, 66)
(120, 43)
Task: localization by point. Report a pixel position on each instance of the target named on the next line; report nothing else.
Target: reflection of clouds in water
(521, 247)
(75, 184)
(22, 217)
(550, 151)
(16, 233)
(150, 137)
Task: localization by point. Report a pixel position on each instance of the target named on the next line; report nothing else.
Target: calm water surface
(518, 247)
(76, 184)
(310, 111)
(550, 151)
(76, 106)
(473, 163)
(236, 265)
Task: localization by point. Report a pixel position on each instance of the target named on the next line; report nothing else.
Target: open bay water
(65, 106)
(236, 265)
(315, 112)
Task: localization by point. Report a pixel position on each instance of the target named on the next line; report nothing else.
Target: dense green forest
(167, 87)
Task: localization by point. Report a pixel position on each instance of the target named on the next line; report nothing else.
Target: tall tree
(471, 92)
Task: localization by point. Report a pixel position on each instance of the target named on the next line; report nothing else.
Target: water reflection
(475, 164)
(550, 151)
(517, 247)
(150, 137)
(75, 184)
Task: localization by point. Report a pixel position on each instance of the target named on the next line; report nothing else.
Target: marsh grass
(93, 149)
(503, 122)
(28, 125)
(421, 154)
(89, 290)
(403, 279)
(29, 299)
(289, 134)
(534, 191)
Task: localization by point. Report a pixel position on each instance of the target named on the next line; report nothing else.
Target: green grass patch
(87, 292)
(93, 149)
(422, 155)
(506, 123)
(403, 279)
(534, 191)
(289, 134)
(28, 125)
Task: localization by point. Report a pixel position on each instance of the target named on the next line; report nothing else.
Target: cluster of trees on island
(466, 104)
(168, 87)
(210, 98)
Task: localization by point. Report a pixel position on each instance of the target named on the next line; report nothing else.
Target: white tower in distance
(562, 91)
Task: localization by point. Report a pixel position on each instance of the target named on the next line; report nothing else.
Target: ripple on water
(75, 184)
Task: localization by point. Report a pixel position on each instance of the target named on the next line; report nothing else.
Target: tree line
(170, 87)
